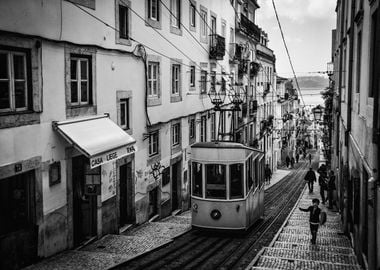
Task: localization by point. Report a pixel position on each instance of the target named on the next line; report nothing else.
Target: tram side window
(197, 179)
(216, 181)
(250, 180)
(236, 181)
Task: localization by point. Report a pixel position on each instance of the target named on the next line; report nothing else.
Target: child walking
(315, 211)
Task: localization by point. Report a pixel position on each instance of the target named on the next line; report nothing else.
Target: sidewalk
(112, 249)
(277, 176)
(291, 247)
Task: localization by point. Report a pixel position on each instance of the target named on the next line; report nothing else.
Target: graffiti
(156, 170)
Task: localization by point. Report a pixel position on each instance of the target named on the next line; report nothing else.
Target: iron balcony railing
(249, 27)
(217, 47)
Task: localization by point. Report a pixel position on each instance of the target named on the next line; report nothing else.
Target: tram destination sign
(112, 155)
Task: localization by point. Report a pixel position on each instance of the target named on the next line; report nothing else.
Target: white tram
(227, 185)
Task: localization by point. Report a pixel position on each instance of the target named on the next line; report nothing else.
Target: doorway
(84, 203)
(176, 183)
(153, 202)
(126, 181)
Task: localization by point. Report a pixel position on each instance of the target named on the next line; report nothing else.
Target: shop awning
(98, 138)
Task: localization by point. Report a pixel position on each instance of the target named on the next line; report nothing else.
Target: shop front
(100, 177)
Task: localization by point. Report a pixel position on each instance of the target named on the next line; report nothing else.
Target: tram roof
(218, 144)
(222, 151)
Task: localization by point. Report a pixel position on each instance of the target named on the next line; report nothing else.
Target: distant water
(312, 96)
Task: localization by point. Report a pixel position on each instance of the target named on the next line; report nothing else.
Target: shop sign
(113, 155)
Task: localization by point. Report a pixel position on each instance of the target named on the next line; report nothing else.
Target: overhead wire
(287, 51)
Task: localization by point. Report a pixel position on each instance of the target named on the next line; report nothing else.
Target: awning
(98, 138)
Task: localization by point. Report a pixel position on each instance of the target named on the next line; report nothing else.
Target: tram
(227, 185)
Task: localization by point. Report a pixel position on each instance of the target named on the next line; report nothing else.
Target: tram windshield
(236, 181)
(216, 181)
(197, 179)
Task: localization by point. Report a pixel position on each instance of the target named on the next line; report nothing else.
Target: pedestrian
(310, 178)
(287, 159)
(297, 157)
(268, 174)
(331, 189)
(310, 158)
(315, 211)
(292, 162)
(322, 180)
(304, 154)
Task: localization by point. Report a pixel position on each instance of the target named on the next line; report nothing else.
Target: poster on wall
(108, 181)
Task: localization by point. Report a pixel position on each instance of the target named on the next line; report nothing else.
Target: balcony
(217, 47)
(248, 27)
(236, 52)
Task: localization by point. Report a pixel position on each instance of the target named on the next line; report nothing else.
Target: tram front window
(236, 181)
(197, 179)
(216, 181)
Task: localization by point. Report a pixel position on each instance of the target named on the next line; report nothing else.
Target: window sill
(17, 119)
(193, 28)
(175, 30)
(176, 148)
(174, 99)
(123, 41)
(74, 111)
(153, 159)
(153, 23)
(154, 102)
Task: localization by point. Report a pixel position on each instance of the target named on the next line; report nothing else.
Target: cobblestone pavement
(292, 249)
(112, 250)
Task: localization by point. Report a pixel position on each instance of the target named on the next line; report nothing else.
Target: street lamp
(217, 98)
(318, 111)
(330, 69)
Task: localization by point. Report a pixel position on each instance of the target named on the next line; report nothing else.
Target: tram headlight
(195, 207)
(215, 214)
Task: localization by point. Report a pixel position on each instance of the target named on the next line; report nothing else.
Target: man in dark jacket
(330, 189)
(310, 178)
(268, 174)
(315, 211)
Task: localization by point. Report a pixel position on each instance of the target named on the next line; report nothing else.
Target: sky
(307, 26)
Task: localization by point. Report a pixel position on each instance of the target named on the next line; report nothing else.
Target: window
(153, 143)
(213, 77)
(153, 10)
(203, 128)
(358, 61)
(153, 75)
(80, 81)
(203, 81)
(192, 128)
(213, 127)
(14, 94)
(175, 8)
(192, 14)
(213, 30)
(176, 134)
(192, 76)
(197, 179)
(203, 23)
(216, 181)
(375, 68)
(222, 122)
(175, 79)
(124, 113)
(123, 22)
(223, 28)
(236, 181)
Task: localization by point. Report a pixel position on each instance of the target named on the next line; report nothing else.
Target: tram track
(202, 250)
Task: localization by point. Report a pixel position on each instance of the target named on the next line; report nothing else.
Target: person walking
(310, 158)
(331, 189)
(268, 174)
(315, 211)
(297, 157)
(322, 180)
(287, 160)
(292, 161)
(310, 178)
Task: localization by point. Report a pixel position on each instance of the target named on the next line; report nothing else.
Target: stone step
(284, 263)
(314, 255)
(330, 241)
(307, 247)
(324, 232)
